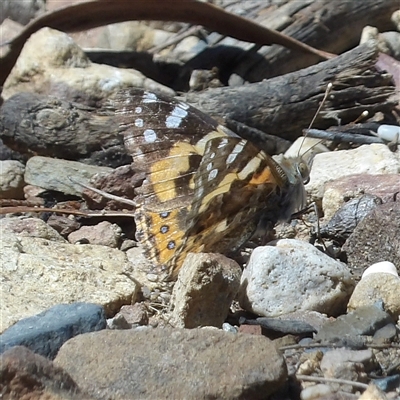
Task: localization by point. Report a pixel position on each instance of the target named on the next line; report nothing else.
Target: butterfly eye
(304, 171)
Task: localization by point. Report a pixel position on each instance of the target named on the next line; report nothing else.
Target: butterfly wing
(235, 185)
(166, 139)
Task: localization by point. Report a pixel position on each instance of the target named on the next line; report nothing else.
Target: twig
(357, 385)
(342, 136)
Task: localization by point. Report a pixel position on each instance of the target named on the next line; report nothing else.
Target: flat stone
(363, 321)
(104, 233)
(54, 174)
(46, 332)
(203, 293)
(176, 364)
(39, 273)
(370, 159)
(340, 190)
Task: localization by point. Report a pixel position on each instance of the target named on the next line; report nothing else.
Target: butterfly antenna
(327, 92)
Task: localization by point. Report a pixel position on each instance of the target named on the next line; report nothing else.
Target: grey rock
(340, 363)
(366, 159)
(386, 333)
(375, 238)
(29, 376)
(54, 174)
(46, 332)
(176, 364)
(21, 11)
(363, 321)
(344, 221)
(203, 293)
(388, 383)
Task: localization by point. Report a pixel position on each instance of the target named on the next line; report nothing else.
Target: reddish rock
(29, 376)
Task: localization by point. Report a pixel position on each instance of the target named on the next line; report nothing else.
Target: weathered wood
(281, 106)
(285, 105)
(333, 26)
(43, 125)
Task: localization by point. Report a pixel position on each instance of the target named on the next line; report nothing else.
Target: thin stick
(357, 385)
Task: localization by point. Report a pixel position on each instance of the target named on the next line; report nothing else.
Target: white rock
(316, 392)
(381, 267)
(11, 179)
(52, 62)
(390, 133)
(378, 286)
(294, 275)
(372, 159)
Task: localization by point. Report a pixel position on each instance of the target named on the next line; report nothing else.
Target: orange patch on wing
(166, 233)
(264, 176)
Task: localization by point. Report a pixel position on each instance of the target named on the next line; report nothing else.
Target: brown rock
(206, 286)
(29, 376)
(104, 234)
(135, 314)
(375, 238)
(173, 363)
(341, 190)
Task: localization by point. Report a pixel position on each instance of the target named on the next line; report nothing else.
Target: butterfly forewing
(166, 139)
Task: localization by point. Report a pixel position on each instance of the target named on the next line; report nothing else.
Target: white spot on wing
(175, 118)
(236, 150)
(139, 122)
(150, 136)
(223, 143)
(138, 110)
(149, 97)
(209, 167)
(184, 105)
(212, 155)
(250, 168)
(212, 174)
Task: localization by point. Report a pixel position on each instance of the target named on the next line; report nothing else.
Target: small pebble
(383, 266)
(390, 133)
(229, 328)
(389, 383)
(315, 392)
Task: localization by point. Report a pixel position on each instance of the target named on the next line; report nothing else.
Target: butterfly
(206, 189)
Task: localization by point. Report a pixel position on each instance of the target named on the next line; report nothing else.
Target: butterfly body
(206, 188)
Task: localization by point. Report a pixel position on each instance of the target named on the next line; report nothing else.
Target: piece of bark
(43, 125)
(284, 105)
(334, 26)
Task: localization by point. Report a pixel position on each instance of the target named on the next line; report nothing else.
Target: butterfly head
(297, 171)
